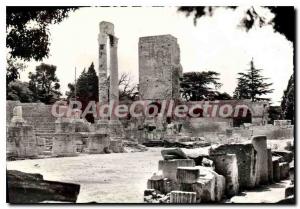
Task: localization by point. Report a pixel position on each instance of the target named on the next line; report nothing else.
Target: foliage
(288, 101)
(17, 90)
(28, 30)
(283, 15)
(196, 86)
(251, 85)
(45, 84)
(274, 113)
(13, 70)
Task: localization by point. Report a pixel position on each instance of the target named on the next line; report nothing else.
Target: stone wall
(36, 114)
(159, 67)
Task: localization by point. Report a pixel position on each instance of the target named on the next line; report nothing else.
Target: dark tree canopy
(252, 85)
(197, 86)
(44, 84)
(283, 22)
(17, 90)
(27, 30)
(288, 101)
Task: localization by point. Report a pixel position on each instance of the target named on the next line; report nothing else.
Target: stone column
(106, 28)
(115, 126)
(260, 146)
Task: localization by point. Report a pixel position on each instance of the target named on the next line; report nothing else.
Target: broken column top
(106, 27)
(166, 37)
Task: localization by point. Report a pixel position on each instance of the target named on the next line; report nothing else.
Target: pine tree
(252, 85)
(44, 84)
(288, 101)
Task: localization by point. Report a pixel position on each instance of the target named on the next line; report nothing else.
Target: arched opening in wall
(154, 108)
(241, 118)
(196, 113)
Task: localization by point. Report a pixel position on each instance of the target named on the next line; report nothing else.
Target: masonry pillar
(115, 126)
(105, 29)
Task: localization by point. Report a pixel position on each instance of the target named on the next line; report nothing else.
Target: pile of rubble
(216, 173)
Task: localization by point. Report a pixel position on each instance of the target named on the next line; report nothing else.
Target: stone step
(182, 197)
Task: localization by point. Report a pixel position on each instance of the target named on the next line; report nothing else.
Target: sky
(215, 43)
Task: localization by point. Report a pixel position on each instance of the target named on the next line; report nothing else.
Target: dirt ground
(121, 177)
(104, 178)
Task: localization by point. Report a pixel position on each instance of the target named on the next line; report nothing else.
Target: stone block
(187, 175)
(210, 186)
(270, 166)
(182, 197)
(287, 156)
(63, 145)
(116, 145)
(169, 167)
(21, 141)
(289, 191)
(97, 143)
(284, 170)
(261, 166)
(162, 185)
(246, 161)
(276, 169)
(226, 165)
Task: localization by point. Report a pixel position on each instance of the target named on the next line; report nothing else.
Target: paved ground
(120, 177)
(114, 178)
(265, 194)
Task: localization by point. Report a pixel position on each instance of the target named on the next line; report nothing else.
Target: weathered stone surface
(245, 155)
(37, 115)
(289, 191)
(63, 145)
(159, 63)
(17, 116)
(187, 175)
(284, 170)
(163, 185)
(182, 197)
(210, 186)
(226, 165)
(169, 167)
(270, 166)
(116, 145)
(97, 143)
(24, 187)
(287, 156)
(175, 152)
(154, 196)
(21, 141)
(261, 166)
(276, 169)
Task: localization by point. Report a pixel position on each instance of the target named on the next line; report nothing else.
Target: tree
(274, 113)
(17, 90)
(45, 84)
(196, 86)
(13, 70)
(27, 30)
(282, 14)
(288, 101)
(28, 35)
(127, 91)
(222, 96)
(251, 85)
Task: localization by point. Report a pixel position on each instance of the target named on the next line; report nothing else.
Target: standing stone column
(115, 126)
(260, 146)
(106, 28)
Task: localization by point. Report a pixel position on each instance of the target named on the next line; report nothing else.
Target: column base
(116, 129)
(102, 126)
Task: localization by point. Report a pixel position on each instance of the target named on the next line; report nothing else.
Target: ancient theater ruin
(203, 159)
